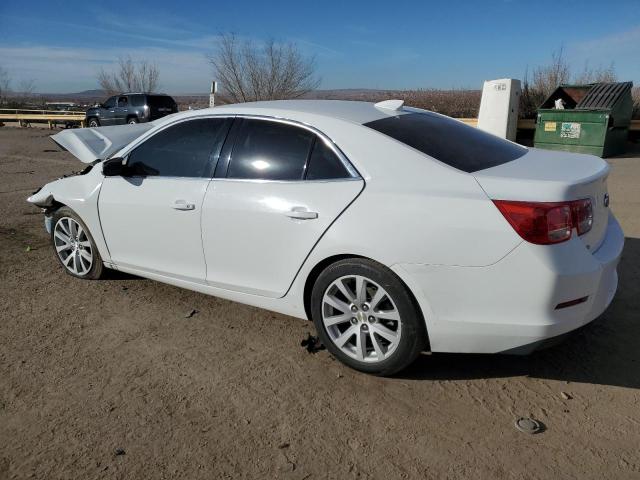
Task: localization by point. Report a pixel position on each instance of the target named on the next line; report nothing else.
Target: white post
(214, 89)
(499, 107)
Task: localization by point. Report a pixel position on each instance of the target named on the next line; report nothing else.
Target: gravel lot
(87, 368)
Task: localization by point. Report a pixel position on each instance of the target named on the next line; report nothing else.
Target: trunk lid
(91, 144)
(544, 176)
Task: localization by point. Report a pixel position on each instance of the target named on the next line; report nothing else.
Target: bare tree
(26, 89)
(547, 78)
(129, 77)
(23, 93)
(269, 71)
(5, 85)
(595, 75)
(635, 94)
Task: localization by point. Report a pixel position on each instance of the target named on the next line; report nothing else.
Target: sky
(62, 45)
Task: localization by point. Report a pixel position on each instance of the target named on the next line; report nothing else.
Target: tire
(386, 299)
(93, 122)
(81, 259)
(132, 120)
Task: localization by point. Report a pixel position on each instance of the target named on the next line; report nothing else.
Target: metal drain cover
(528, 425)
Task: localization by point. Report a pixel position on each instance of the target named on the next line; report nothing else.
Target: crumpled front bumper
(48, 223)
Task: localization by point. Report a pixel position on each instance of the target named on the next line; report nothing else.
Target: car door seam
(104, 237)
(364, 184)
(212, 173)
(204, 254)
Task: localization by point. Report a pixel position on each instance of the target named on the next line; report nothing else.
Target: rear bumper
(511, 306)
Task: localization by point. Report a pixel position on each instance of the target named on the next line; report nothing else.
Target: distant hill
(456, 102)
(84, 95)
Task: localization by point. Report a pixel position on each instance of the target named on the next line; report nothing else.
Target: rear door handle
(301, 213)
(183, 205)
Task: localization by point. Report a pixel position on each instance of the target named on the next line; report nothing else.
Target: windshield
(449, 141)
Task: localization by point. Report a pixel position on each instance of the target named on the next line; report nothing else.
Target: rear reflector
(571, 303)
(546, 223)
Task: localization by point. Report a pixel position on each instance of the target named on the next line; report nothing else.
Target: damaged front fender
(41, 197)
(79, 192)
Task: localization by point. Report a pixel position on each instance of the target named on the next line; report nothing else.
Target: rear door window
(266, 150)
(136, 100)
(324, 164)
(188, 149)
(449, 141)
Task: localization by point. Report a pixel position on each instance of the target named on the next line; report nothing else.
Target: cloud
(618, 48)
(66, 69)
(183, 65)
(612, 43)
(177, 46)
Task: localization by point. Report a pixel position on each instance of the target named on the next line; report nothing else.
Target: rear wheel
(366, 317)
(74, 246)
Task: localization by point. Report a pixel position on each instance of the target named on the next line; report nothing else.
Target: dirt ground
(87, 368)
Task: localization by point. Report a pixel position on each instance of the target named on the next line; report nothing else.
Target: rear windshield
(449, 141)
(161, 101)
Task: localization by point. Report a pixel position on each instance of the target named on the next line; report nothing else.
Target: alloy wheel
(73, 246)
(361, 318)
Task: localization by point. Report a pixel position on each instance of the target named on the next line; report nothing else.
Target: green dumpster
(591, 119)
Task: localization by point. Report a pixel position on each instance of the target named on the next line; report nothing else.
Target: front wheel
(93, 122)
(366, 317)
(74, 246)
(132, 121)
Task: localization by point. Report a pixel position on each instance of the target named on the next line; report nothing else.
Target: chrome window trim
(351, 170)
(160, 177)
(153, 132)
(263, 180)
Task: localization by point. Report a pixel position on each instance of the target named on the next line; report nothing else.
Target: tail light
(545, 223)
(582, 211)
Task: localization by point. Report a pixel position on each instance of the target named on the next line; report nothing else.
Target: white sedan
(396, 230)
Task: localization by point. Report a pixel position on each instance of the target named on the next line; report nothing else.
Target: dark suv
(131, 108)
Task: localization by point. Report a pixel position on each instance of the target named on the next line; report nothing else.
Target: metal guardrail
(40, 111)
(52, 117)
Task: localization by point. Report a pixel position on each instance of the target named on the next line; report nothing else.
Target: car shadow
(605, 352)
(632, 151)
(110, 274)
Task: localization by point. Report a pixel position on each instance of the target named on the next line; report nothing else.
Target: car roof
(350, 111)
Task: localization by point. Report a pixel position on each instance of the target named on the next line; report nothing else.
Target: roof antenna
(390, 105)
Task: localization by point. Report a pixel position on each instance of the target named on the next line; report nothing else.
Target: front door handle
(183, 205)
(301, 213)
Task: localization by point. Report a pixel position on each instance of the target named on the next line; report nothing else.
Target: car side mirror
(114, 167)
